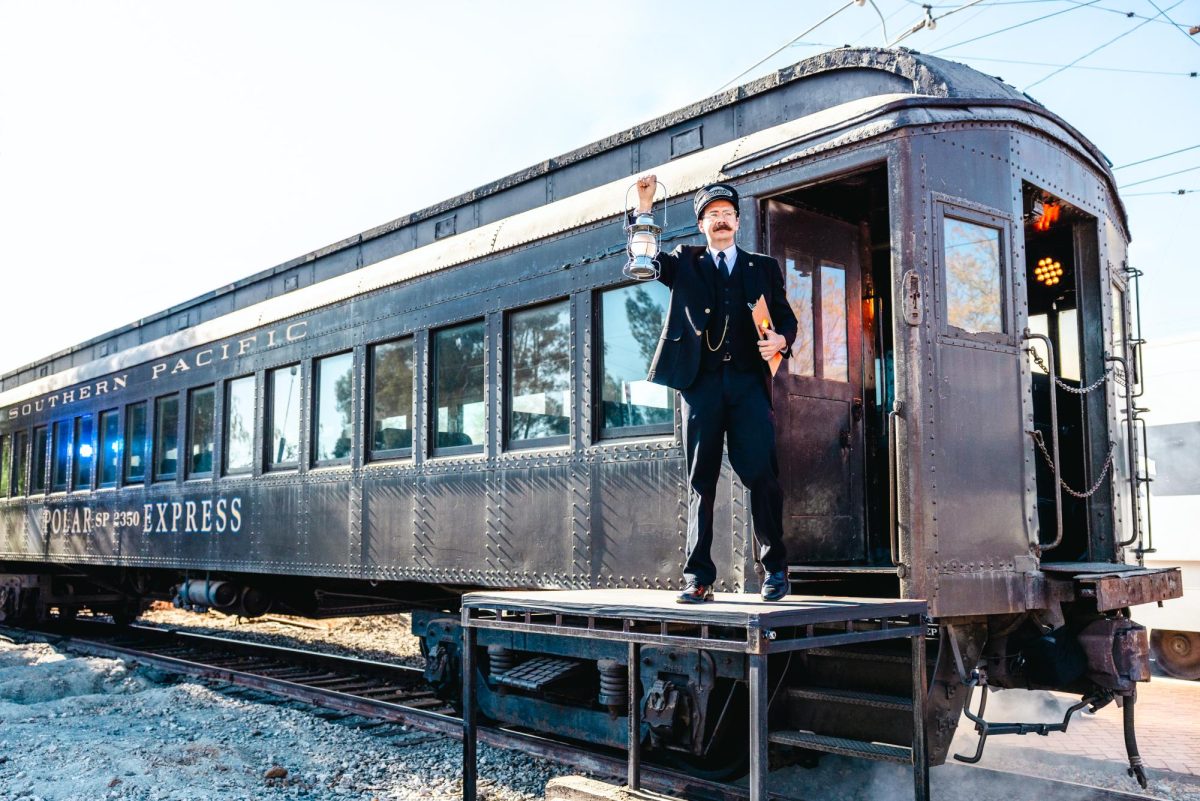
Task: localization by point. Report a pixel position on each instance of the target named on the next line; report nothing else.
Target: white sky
(153, 151)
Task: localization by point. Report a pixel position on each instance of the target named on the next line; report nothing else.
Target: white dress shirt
(730, 257)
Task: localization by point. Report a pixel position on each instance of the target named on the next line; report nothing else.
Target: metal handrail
(1058, 517)
(1131, 451)
(893, 476)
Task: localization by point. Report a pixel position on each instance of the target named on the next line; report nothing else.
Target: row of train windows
(79, 453)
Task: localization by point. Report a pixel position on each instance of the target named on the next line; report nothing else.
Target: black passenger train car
(457, 399)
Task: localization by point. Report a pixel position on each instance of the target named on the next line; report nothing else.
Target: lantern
(643, 242)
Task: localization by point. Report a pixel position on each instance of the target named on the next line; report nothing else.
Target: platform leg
(759, 702)
(468, 699)
(635, 719)
(919, 757)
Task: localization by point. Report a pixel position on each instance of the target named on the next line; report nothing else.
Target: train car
(458, 399)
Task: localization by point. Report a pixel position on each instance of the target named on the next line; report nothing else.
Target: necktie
(722, 265)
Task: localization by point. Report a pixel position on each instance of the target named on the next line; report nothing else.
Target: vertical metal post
(759, 701)
(920, 759)
(634, 778)
(468, 698)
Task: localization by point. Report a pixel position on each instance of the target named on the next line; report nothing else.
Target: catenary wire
(1171, 192)
(1081, 67)
(1156, 158)
(1186, 35)
(1093, 51)
(787, 44)
(1157, 177)
(1014, 27)
(924, 23)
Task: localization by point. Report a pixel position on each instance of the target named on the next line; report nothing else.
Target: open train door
(818, 391)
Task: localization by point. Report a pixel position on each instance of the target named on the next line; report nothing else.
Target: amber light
(1048, 271)
(1046, 216)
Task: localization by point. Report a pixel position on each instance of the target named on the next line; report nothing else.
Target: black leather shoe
(776, 587)
(695, 593)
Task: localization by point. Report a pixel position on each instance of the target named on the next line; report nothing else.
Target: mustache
(722, 226)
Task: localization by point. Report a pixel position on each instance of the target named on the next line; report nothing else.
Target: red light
(1047, 217)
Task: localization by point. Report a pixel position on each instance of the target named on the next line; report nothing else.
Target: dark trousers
(732, 403)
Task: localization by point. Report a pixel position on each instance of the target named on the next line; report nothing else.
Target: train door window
(631, 321)
(1068, 337)
(109, 450)
(38, 477)
(135, 442)
(457, 398)
(201, 413)
(392, 399)
(332, 430)
(5, 465)
(239, 425)
(539, 375)
(20, 462)
(799, 272)
(85, 449)
(166, 437)
(61, 453)
(283, 412)
(971, 266)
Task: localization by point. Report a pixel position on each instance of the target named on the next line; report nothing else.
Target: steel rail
(587, 759)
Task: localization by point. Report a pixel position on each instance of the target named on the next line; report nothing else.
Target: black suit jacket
(677, 360)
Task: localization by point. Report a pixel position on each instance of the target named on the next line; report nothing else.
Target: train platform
(736, 624)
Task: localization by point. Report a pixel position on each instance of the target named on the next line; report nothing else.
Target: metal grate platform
(731, 623)
(536, 674)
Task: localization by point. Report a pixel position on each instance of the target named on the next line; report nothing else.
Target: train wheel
(1177, 652)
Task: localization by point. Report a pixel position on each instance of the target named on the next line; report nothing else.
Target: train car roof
(874, 88)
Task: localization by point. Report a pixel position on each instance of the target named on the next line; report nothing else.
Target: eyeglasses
(720, 214)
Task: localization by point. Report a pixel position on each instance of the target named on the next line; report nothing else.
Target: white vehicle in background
(1171, 372)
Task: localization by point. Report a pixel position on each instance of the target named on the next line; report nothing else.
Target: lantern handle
(658, 185)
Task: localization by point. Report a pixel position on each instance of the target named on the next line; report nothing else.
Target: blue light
(85, 451)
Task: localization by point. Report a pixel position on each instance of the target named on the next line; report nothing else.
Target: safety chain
(1037, 437)
(1067, 387)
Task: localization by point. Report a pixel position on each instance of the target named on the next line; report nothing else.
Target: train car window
(392, 399)
(85, 449)
(1068, 345)
(135, 442)
(332, 429)
(539, 375)
(799, 274)
(1038, 324)
(38, 478)
(458, 369)
(283, 409)
(201, 419)
(61, 452)
(166, 437)
(835, 353)
(971, 255)
(20, 462)
(109, 451)
(5, 465)
(631, 320)
(239, 425)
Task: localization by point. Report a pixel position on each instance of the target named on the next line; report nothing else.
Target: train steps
(851, 702)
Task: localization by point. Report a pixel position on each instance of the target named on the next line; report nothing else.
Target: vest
(737, 341)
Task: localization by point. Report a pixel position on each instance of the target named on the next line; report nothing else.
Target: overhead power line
(1093, 51)
(1159, 177)
(1156, 158)
(1081, 67)
(1173, 25)
(786, 45)
(930, 21)
(1172, 192)
(1014, 27)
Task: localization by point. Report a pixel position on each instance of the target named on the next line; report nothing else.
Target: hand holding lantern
(642, 232)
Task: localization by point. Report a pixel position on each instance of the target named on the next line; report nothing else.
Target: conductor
(714, 354)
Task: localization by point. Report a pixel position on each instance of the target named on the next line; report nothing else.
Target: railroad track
(398, 694)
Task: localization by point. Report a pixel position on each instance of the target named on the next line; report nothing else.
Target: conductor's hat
(714, 192)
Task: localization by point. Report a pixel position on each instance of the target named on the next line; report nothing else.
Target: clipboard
(762, 322)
